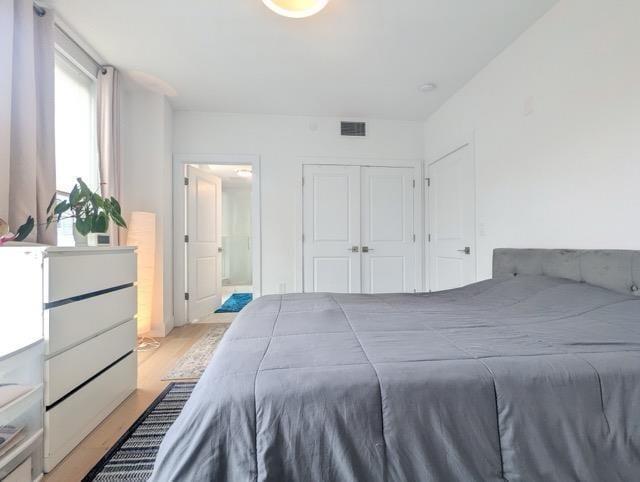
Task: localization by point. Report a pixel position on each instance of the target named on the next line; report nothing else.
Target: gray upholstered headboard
(616, 270)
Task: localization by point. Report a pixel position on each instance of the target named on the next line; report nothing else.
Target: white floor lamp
(142, 234)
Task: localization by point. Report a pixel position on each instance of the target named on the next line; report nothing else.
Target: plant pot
(80, 240)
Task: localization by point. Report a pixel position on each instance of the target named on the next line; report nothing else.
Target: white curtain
(109, 138)
(32, 179)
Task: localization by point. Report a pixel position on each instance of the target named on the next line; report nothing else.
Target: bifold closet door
(388, 242)
(331, 218)
(358, 229)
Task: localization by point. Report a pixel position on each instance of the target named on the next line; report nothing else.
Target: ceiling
(356, 58)
(228, 173)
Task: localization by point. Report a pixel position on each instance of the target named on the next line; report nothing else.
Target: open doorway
(219, 239)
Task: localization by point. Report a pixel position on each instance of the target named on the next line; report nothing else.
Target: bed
(533, 375)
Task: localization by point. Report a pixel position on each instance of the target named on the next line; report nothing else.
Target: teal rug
(235, 303)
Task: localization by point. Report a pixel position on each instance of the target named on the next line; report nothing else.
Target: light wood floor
(152, 366)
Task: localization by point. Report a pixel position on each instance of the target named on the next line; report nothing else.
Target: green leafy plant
(92, 213)
(20, 235)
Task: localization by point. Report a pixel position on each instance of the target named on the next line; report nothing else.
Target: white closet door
(388, 247)
(452, 258)
(204, 228)
(331, 229)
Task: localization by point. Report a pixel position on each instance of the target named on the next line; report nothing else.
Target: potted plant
(91, 212)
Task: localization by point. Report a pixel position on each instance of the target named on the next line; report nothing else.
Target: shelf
(25, 398)
(10, 348)
(16, 455)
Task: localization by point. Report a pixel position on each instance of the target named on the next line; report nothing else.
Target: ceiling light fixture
(244, 173)
(296, 8)
(428, 87)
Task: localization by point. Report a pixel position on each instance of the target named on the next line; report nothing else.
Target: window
(75, 134)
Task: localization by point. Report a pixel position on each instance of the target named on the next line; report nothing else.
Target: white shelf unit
(24, 460)
(83, 301)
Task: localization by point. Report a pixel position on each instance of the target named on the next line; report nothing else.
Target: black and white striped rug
(131, 458)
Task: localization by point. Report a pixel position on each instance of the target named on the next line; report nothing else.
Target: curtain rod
(41, 12)
(101, 68)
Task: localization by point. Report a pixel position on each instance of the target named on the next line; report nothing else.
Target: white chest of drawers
(85, 300)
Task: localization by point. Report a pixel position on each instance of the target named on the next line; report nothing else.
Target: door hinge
(429, 238)
(414, 238)
(186, 181)
(414, 183)
(303, 238)
(302, 181)
(186, 238)
(428, 179)
(186, 296)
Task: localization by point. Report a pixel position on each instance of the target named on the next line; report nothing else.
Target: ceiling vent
(353, 129)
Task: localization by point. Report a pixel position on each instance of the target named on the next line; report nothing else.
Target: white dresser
(86, 301)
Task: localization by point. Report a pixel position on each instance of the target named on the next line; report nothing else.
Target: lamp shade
(142, 234)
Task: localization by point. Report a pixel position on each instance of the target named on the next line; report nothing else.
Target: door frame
(418, 203)
(466, 142)
(179, 222)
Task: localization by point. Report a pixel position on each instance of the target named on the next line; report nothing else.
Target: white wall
(556, 121)
(281, 142)
(6, 43)
(146, 140)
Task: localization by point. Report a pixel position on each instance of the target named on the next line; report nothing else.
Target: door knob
(354, 249)
(466, 250)
(366, 249)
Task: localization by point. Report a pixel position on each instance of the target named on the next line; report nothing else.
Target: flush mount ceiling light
(243, 173)
(296, 8)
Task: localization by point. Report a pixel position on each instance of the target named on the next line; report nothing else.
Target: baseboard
(159, 330)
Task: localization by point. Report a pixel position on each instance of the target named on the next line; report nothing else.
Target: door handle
(354, 249)
(466, 250)
(219, 250)
(366, 249)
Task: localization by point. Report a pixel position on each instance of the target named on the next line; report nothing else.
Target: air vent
(353, 129)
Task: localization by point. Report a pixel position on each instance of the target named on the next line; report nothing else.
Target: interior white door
(331, 217)
(452, 252)
(204, 246)
(388, 241)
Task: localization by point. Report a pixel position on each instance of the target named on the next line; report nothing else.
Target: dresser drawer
(73, 419)
(71, 323)
(71, 274)
(68, 370)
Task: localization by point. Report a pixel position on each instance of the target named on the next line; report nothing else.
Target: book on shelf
(9, 437)
(11, 391)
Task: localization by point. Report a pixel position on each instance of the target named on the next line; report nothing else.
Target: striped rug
(131, 458)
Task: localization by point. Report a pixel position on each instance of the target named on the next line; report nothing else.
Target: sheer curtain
(109, 138)
(32, 173)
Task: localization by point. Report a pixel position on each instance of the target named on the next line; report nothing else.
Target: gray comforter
(521, 379)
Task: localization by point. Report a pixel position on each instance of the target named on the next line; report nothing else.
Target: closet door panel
(331, 219)
(389, 253)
